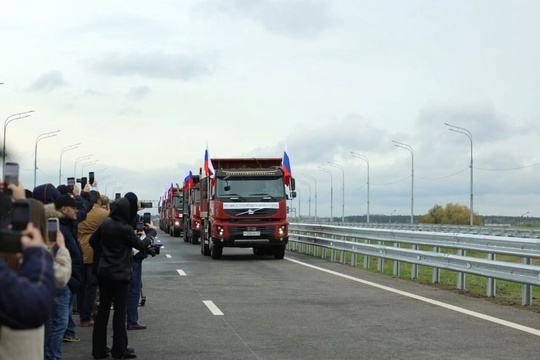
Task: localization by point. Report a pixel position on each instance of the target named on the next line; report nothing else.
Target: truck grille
(244, 213)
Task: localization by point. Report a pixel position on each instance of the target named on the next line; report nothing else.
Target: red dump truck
(192, 210)
(171, 210)
(244, 204)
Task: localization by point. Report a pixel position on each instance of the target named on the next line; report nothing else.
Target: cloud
(138, 93)
(302, 18)
(48, 82)
(154, 65)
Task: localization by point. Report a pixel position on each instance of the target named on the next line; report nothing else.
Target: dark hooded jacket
(113, 241)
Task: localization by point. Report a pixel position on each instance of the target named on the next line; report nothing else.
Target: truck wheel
(205, 249)
(194, 239)
(216, 252)
(279, 252)
(187, 235)
(176, 232)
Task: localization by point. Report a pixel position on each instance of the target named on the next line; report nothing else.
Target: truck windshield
(250, 187)
(178, 203)
(196, 195)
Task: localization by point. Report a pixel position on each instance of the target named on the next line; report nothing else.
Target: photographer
(136, 278)
(112, 242)
(27, 295)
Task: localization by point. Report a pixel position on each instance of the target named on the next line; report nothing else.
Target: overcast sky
(144, 85)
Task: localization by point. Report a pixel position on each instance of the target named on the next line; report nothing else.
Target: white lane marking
(168, 256)
(212, 307)
(427, 300)
(180, 272)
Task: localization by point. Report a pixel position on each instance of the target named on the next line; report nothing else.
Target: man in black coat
(112, 243)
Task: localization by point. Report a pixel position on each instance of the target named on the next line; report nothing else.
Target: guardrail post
(353, 256)
(526, 290)
(366, 257)
(397, 265)
(436, 272)
(491, 287)
(342, 255)
(414, 267)
(461, 275)
(380, 261)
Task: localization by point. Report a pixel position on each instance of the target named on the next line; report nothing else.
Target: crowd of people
(95, 258)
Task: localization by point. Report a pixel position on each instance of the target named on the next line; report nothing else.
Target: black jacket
(113, 241)
(68, 227)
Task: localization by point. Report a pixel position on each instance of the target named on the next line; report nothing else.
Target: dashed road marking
(212, 307)
(168, 256)
(181, 272)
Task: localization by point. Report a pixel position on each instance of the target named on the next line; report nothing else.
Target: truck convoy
(243, 204)
(170, 209)
(192, 209)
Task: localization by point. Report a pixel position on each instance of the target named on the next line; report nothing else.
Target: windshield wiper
(265, 195)
(233, 196)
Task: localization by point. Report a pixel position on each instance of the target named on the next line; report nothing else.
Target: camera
(154, 249)
(10, 241)
(20, 215)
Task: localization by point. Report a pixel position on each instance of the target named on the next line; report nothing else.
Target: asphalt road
(248, 307)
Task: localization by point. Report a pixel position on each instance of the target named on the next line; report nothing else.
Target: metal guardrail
(494, 230)
(360, 241)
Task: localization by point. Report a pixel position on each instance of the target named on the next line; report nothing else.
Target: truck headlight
(282, 230)
(220, 230)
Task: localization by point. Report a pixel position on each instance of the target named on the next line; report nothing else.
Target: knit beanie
(46, 193)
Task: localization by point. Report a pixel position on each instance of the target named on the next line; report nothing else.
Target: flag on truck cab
(208, 167)
(286, 167)
(171, 190)
(188, 181)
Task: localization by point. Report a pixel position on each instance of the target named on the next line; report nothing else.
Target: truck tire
(205, 249)
(279, 252)
(194, 239)
(216, 251)
(176, 232)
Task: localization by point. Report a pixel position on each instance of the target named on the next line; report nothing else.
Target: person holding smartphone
(113, 242)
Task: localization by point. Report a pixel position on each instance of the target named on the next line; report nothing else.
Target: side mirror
(293, 194)
(292, 184)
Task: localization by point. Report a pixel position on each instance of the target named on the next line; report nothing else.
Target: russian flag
(286, 167)
(188, 181)
(208, 167)
(171, 190)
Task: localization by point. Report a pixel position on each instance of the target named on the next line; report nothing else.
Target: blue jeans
(89, 294)
(56, 324)
(71, 330)
(134, 293)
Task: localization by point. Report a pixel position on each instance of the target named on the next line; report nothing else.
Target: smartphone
(20, 215)
(52, 228)
(117, 196)
(70, 181)
(11, 175)
(146, 204)
(10, 241)
(91, 178)
(147, 218)
(84, 181)
(140, 226)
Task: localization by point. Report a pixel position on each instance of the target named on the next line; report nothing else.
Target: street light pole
(331, 192)
(86, 157)
(367, 161)
(408, 147)
(67, 148)
(390, 221)
(88, 163)
(38, 139)
(342, 189)
(469, 135)
(309, 199)
(9, 119)
(315, 180)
